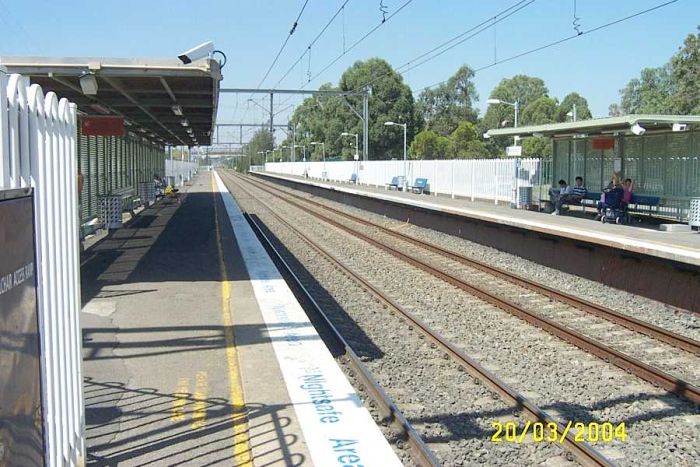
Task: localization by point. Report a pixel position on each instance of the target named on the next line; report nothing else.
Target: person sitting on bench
(613, 200)
(612, 197)
(627, 187)
(556, 193)
(571, 195)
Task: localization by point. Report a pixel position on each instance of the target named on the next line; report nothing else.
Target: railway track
(485, 289)
(642, 327)
(582, 452)
(389, 413)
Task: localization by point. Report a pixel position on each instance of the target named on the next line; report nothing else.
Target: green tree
(525, 89)
(522, 88)
(429, 144)
(583, 112)
(446, 105)
(391, 100)
(537, 147)
(650, 93)
(466, 143)
(614, 110)
(540, 111)
(325, 118)
(322, 119)
(670, 89)
(261, 141)
(685, 72)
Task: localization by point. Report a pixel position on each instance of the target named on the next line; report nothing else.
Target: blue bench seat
(395, 183)
(639, 204)
(420, 185)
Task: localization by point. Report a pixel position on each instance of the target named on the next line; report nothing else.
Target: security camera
(637, 129)
(680, 127)
(195, 53)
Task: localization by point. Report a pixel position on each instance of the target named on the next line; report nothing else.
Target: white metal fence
(487, 179)
(181, 171)
(38, 149)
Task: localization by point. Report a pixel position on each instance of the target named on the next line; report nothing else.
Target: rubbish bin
(111, 211)
(147, 192)
(694, 213)
(524, 197)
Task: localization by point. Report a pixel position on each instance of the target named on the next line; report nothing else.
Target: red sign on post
(102, 126)
(603, 143)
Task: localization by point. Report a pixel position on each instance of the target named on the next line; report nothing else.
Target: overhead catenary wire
(361, 39)
(311, 44)
(451, 44)
(303, 54)
(284, 44)
(559, 41)
(355, 44)
(577, 21)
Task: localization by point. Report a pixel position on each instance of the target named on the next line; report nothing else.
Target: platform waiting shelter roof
(599, 126)
(159, 98)
(661, 153)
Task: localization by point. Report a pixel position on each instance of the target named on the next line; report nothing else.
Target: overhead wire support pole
(365, 105)
(363, 118)
(365, 126)
(272, 115)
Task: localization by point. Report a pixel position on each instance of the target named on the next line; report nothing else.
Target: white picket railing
(486, 179)
(38, 149)
(181, 171)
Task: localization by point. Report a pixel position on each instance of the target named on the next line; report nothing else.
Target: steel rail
(582, 452)
(677, 340)
(389, 412)
(628, 363)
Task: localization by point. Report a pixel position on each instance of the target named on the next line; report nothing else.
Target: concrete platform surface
(180, 367)
(683, 247)
(156, 370)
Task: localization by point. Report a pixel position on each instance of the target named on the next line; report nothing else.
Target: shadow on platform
(143, 426)
(194, 339)
(170, 241)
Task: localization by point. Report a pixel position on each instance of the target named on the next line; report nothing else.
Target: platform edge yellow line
(241, 448)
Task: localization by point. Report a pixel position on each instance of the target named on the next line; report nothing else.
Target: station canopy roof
(150, 94)
(598, 126)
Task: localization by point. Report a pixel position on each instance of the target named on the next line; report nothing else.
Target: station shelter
(660, 153)
(130, 111)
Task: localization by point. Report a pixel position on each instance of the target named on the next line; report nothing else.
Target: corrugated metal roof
(143, 91)
(599, 125)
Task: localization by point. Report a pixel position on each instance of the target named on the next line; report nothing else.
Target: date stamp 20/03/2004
(551, 432)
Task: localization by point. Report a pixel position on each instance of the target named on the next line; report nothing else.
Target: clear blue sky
(251, 33)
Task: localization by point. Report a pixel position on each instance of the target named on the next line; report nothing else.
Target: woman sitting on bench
(612, 197)
(627, 188)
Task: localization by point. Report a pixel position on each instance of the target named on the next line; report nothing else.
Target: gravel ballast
(557, 376)
(450, 411)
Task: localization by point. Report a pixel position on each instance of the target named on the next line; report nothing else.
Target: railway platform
(196, 351)
(663, 265)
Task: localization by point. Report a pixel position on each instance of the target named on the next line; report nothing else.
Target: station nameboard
(514, 151)
(21, 420)
(603, 143)
(102, 126)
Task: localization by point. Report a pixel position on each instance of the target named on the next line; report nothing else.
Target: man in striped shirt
(572, 196)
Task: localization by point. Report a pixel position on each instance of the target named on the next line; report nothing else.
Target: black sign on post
(21, 418)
